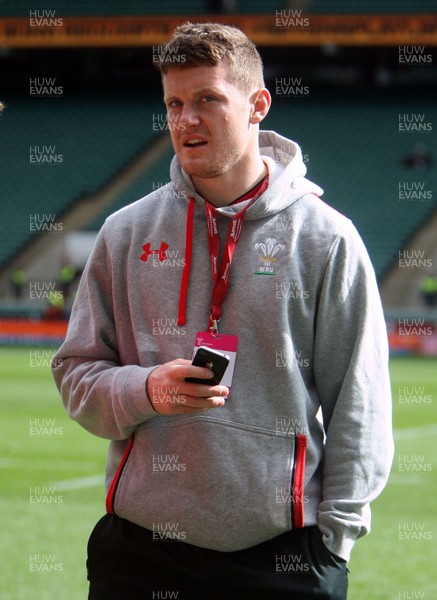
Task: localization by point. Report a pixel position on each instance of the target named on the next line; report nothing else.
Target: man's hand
(170, 394)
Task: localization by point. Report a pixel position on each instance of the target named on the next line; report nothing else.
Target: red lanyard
(220, 275)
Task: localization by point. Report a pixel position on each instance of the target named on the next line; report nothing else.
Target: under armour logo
(161, 252)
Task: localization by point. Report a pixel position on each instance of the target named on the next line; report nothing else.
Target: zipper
(110, 496)
(297, 486)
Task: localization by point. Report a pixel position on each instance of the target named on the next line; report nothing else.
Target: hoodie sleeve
(352, 378)
(106, 398)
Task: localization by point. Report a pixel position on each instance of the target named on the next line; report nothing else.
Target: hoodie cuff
(339, 542)
(135, 394)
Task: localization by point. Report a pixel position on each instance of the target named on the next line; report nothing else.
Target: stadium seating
(90, 139)
(354, 150)
(352, 146)
(196, 7)
(158, 174)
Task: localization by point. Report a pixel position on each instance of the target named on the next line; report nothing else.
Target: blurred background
(83, 132)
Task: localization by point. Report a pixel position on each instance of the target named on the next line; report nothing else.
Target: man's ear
(261, 101)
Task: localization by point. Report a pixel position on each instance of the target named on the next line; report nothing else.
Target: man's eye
(174, 103)
(207, 98)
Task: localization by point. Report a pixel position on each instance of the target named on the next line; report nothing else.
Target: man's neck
(225, 189)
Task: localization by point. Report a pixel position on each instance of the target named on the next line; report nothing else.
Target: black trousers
(127, 562)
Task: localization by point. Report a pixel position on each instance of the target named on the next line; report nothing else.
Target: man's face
(208, 118)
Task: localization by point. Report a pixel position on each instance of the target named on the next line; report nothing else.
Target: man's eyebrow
(170, 98)
(202, 90)
(210, 89)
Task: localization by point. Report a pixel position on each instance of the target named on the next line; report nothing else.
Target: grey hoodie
(305, 437)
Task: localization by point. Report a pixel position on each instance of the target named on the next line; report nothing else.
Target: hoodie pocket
(115, 480)
(212, 483)
(298, 480)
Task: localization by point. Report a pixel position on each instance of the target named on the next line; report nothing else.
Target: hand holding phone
(216, 361)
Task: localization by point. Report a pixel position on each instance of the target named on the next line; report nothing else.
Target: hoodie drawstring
(182, 313)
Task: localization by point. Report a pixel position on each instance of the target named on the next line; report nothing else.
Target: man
(260, 485)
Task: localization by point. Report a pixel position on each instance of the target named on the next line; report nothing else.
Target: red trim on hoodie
(298, 481)
(189, 227)
(110, 496)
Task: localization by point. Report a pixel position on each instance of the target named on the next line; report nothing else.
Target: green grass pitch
(52, 489)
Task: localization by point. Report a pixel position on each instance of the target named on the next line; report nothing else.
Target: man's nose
(189, 115)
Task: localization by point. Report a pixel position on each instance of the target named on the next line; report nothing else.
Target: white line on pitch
(79, 483)
(399, 478)
(46, 465)
(413, 432)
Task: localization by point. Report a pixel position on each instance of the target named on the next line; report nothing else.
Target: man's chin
(204, 172)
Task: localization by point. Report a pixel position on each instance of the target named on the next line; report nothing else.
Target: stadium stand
(195, 7)
(355, 153)
(150, 179)
(77, 144)
(350, 139)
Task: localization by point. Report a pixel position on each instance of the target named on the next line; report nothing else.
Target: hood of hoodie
(287, 181)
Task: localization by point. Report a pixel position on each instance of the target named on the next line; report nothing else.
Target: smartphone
(216, 361)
